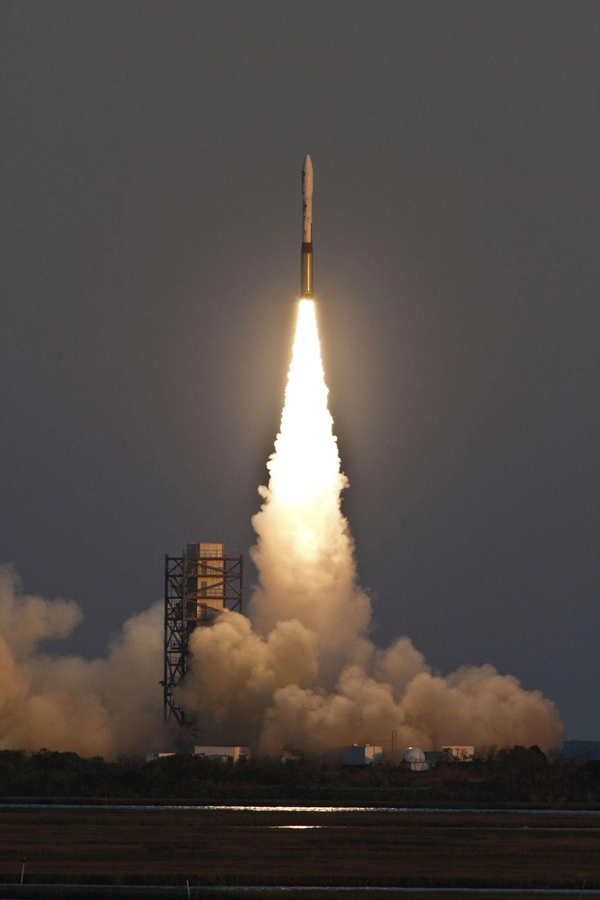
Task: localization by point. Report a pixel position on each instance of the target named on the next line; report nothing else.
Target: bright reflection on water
(301, 809)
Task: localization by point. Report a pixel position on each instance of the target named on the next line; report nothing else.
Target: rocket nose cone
(307, 177)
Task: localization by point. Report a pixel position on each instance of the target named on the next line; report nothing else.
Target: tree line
(517, 775)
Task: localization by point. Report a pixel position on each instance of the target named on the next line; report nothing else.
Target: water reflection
(303, 809)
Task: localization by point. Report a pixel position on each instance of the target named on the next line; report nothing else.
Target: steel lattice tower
(200, 585)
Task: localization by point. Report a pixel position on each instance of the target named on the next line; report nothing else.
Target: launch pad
(200, 585)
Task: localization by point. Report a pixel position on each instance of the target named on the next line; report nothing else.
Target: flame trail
(304, 552)
(305, 466)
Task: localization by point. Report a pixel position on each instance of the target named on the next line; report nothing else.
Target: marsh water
(254, 808)
(112, 849)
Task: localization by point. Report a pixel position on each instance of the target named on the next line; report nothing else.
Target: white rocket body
(306, 271)
(307, 192)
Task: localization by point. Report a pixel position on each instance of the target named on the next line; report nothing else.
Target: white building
(362, 755)
(458, 753)
(152, 756)
(414, 758)
(223, 754)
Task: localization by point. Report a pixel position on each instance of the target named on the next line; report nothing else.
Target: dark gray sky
(151, 218)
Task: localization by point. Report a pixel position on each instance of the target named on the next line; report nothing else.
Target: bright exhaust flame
(306, 461)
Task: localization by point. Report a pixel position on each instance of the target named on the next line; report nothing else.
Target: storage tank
(414, 759)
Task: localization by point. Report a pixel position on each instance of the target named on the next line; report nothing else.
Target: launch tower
(199, 586)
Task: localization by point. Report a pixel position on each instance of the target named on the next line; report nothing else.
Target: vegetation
(217, 846)
(103, 842)
(516, 776)
(77, 892)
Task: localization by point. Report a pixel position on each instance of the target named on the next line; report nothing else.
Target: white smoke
(306, 676)
(103, 706)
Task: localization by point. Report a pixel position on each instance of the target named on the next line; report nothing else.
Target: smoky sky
(151, 229)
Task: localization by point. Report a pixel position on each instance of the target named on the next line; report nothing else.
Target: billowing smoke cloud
(300, 673)
(103, 706)
(305, 675)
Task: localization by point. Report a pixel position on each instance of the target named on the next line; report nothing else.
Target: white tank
(414, 758)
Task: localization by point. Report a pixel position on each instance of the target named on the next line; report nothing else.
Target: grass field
(488, 850)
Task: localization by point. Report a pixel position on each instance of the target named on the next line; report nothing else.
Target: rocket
(306, 271)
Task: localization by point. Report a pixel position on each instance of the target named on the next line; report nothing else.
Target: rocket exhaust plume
(301, 672)
(304, 554)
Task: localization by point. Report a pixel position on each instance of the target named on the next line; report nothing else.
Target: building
(362, 755)
(413, 758)
(150, 757)
(434, 757)
(227, 755)
(458, 753)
